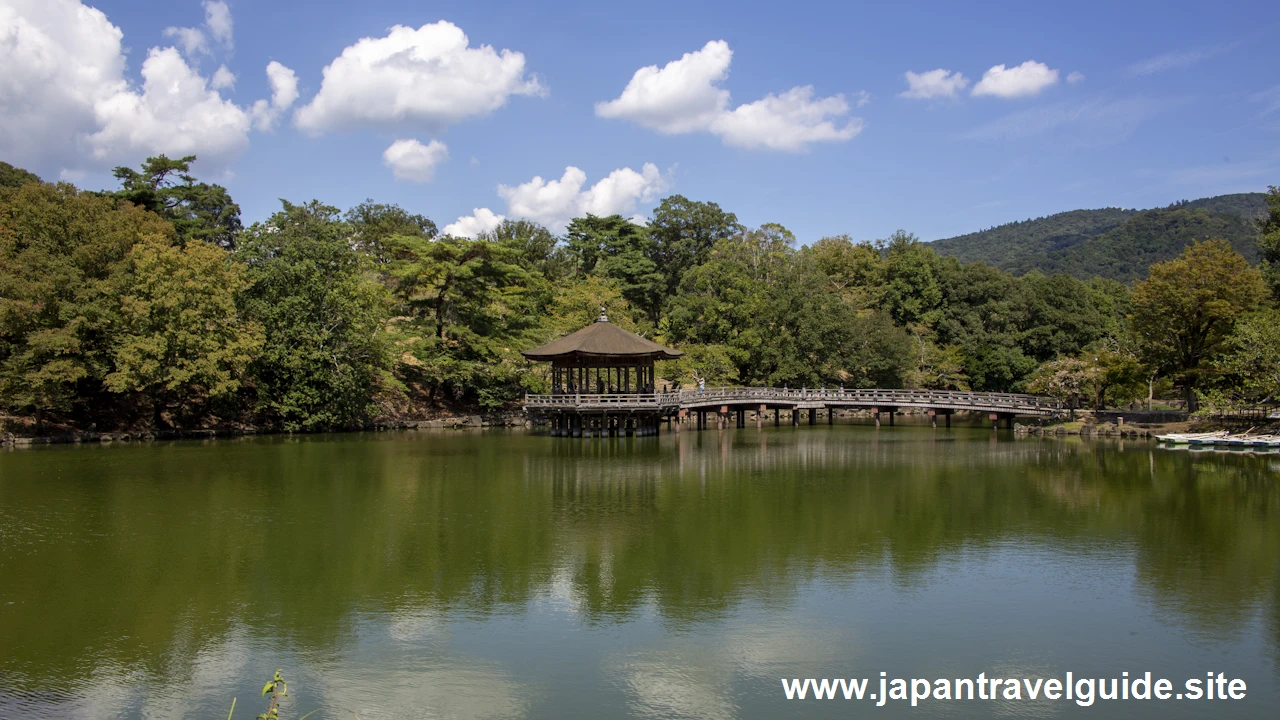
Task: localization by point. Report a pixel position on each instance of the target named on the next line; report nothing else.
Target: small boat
(1191, 438)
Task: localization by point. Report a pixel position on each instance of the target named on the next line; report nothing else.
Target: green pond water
(510, 575)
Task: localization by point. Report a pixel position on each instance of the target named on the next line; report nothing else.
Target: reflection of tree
(144, 555)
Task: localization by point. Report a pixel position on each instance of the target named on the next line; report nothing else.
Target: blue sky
(1165, 101)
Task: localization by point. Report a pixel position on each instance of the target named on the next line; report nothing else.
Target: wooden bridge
(595, 414)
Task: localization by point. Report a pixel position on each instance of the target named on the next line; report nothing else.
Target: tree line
(153, 306)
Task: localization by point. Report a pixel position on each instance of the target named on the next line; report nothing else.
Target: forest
(1112, 242)
(153, 307)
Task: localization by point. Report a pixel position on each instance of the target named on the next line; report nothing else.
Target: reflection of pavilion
(615, 367)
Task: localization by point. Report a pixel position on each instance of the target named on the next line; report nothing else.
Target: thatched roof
(602, 339)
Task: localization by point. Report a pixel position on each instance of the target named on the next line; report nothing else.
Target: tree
(13, 177)
(1186, 308)
(181, 338)
(615, 247)
(198, 211)
(535, 248)
(1252, 355)
(854, 271)
(468, 306)
(1269, 241)
(60, 250)
(325, 353)
(1063, 379)
(373, 224)
(683, 232)
(911, 291)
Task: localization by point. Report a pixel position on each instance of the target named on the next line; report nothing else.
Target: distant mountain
(1112, 242)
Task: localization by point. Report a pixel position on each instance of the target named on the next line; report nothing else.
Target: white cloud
(789, 121)
(864, 97)
(1176, 60)
(1075, 77)
(555, 202)
(684, 96)
(940, 83)
(217, 17)
(679, 98)
(284, 91)
(480, 221)
(192, 40)
(65, 103)
(223, 79)
(1026, 79)
(428, 77)
(411, 160)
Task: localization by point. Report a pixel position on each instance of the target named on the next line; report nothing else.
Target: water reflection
(506, 575)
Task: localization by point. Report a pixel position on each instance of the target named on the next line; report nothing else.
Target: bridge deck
(803, 398)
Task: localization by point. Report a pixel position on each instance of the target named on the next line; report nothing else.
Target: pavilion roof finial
(603, 317)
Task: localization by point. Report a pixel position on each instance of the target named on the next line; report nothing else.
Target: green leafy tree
(617, 248)
(854, 271)
(373, 224)
(1186, 308)
(1065, 379)
(911, 291)
(682, 233)
(13, 177)
(198, 211)
(1269, 241)
(181, 339)
(984, 314)
(535, 248)
(1252, 355)
(469, 307)
(60, 252)
(325, 353)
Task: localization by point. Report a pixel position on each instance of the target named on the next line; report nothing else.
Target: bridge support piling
(813, 416)
(995, 421)
(795, 417)
(777, 417)
(831, 415)
(742, 418)
(933, 418)
(892, 412)
(947, 415)
(875, 412)
(760, 416)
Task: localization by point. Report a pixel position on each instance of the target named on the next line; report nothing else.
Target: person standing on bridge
(702, 386)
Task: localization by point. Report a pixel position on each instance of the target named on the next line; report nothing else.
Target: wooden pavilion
(614, 366)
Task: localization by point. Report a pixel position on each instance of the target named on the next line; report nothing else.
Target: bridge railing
(852, 396)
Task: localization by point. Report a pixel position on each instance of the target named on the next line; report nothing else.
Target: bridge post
(813, 416)
(760, 416)
(875, 411)
(933, 417)
(831, 413)
(892, 412)
(947, 415)
(742, 418)
(995, 421)
(723, 417)
(795, 417)
(777, 417)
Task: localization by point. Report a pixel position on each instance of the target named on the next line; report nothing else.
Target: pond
(500, 574)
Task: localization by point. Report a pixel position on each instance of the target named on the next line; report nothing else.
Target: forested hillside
(153, 307)
(1111, 242)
